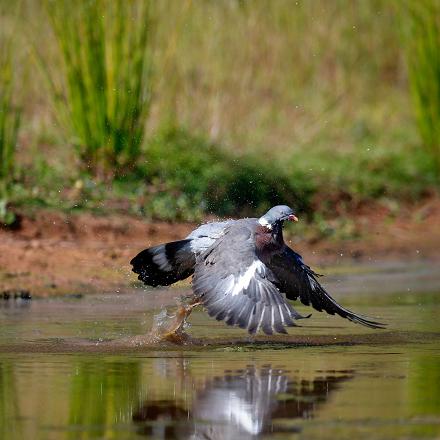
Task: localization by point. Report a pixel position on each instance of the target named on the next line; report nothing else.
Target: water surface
(74, 369)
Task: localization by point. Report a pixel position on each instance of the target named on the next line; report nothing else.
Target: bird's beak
(292, 218)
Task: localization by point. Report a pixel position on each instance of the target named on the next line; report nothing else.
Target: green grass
(104, 96)
(9, 122)
(307, 103)
(421, 25)
(196, 177)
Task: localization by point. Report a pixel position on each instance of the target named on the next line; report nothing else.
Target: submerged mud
(151, 342)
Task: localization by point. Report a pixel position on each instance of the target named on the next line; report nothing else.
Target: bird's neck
(269, 240)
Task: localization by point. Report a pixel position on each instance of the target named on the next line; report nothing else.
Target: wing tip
(304, 317)
(367, 322)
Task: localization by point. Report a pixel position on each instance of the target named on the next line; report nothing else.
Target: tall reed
(105, 94)
(9, 119)
(421, 26)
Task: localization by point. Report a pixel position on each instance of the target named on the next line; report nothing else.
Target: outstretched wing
(296, 279)
(236, 286)
(165, 264)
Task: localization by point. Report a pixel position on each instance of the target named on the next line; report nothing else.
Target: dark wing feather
(165, 264)
(235, 286)
(296, 279)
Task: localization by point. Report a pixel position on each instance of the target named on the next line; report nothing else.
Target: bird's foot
(177, 323)
(174, 329)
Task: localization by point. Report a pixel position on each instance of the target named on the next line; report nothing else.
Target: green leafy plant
(104, 95)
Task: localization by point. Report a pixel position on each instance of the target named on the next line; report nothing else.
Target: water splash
(171, 326)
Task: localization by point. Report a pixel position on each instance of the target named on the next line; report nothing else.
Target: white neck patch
(263, 222)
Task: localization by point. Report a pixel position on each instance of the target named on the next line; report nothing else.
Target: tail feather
(164, 264)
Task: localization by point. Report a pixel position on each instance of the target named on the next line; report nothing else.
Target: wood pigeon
(243, 273)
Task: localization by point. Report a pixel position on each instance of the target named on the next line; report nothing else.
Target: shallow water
(74, 368)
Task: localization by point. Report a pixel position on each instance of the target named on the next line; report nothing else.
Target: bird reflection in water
(241, 404)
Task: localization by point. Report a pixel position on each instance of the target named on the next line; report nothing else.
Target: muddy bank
(55, 253)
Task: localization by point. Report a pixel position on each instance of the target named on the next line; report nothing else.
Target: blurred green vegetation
(106, 64)
(195, 177)
(9, 116)
(179, 109)
(422, 38)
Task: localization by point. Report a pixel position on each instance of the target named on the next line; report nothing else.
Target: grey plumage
(243, 273)
(234, 285)
(168, 263)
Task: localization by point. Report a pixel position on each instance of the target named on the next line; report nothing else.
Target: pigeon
(243, 273)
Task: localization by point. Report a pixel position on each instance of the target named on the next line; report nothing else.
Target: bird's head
(277, 215)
